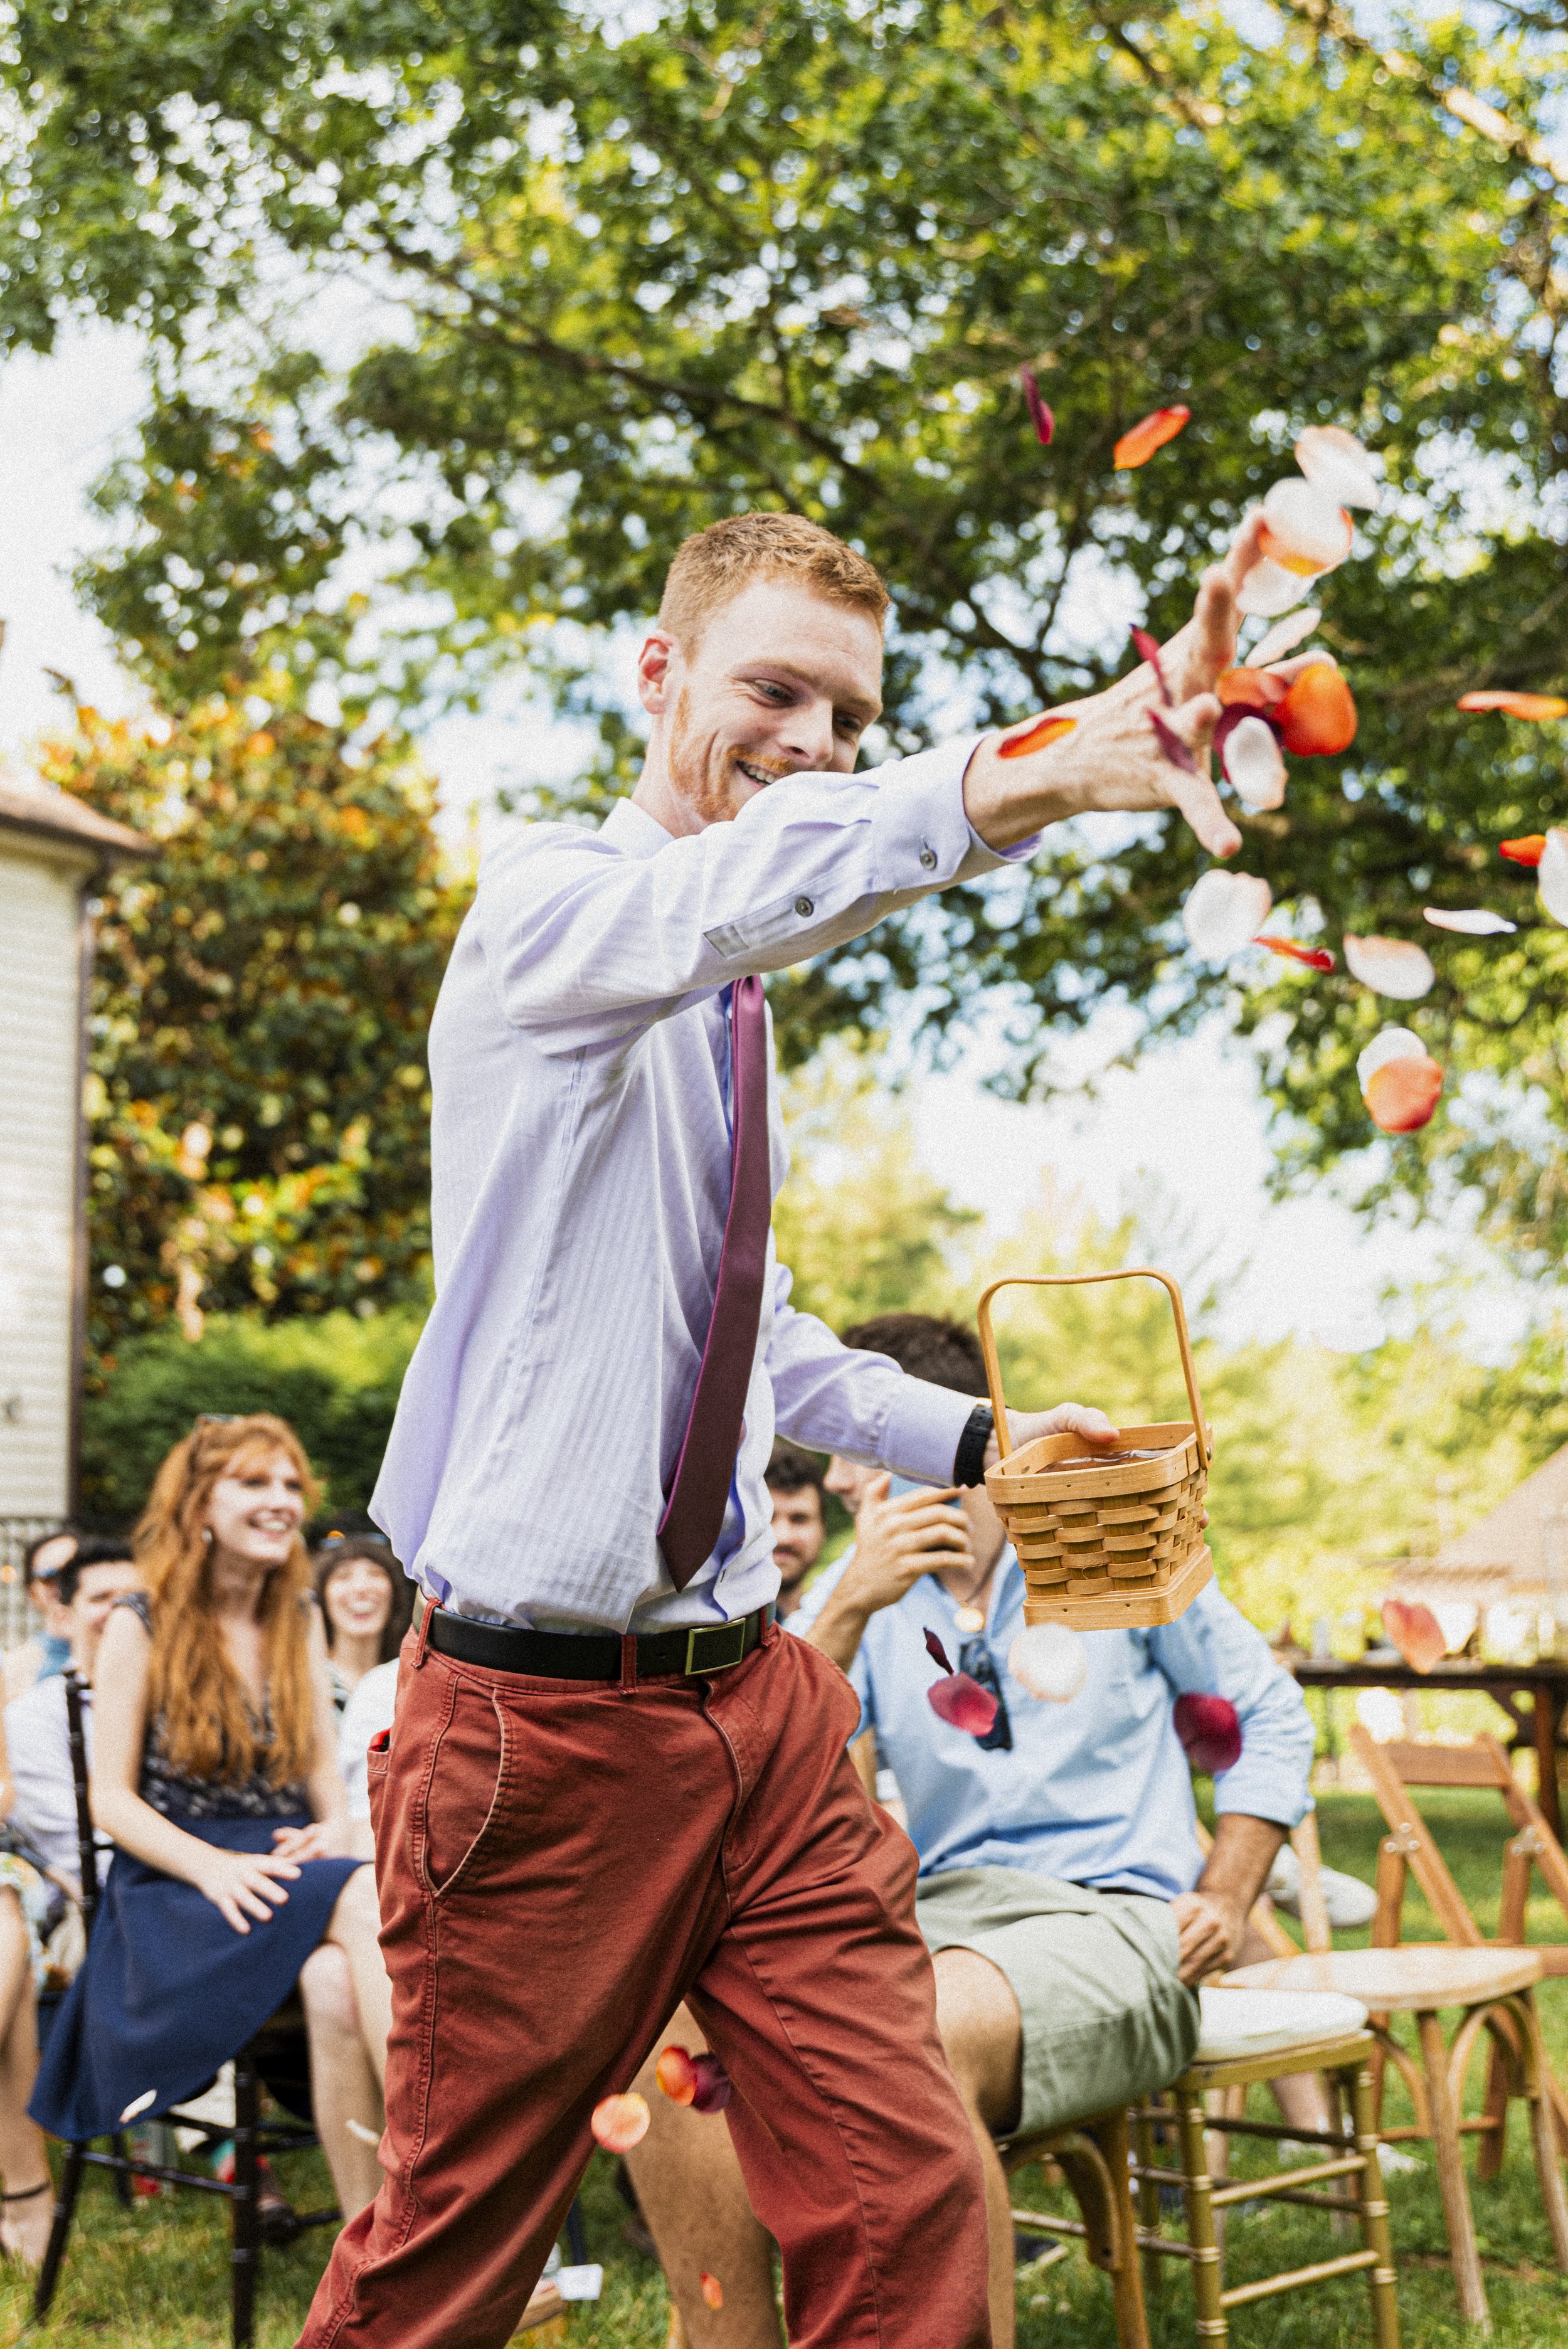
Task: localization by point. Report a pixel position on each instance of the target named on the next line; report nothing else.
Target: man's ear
(655, 664)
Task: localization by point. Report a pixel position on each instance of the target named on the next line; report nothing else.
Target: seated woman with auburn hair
(214, 1770)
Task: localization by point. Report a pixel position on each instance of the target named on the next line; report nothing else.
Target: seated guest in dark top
(214, 1770)
(366, 1602)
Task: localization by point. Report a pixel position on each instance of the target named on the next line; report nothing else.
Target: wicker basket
(1104, 1547)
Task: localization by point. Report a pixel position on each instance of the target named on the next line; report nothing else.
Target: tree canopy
(458, 320)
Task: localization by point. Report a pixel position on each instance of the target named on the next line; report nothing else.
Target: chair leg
(1459, 2222)
(1373, 2198)
(1147, 2143)
(122, 2192)
(1197, 2191)
(1542, 2130)
(1126, 2276)
(1488, 2158)
(65, 2211)
(246, 2204)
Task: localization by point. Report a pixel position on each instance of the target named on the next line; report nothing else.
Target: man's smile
(761, 776)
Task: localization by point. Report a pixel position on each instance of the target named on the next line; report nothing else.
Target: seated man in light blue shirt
(1062, 1890)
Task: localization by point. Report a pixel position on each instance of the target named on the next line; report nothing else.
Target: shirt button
(928, 858)
(803, 906)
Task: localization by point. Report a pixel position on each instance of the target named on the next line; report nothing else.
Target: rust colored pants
(559, 1864)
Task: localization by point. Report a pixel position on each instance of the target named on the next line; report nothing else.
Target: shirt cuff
(920, 1435)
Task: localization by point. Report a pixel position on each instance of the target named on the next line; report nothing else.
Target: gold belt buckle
(728, 1647)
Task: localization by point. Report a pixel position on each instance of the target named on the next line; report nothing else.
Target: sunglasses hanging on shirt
(975, 1657)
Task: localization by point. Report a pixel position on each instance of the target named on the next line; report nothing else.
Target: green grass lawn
(157, 2277)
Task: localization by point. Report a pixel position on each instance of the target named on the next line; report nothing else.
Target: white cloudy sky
(1190, 1115)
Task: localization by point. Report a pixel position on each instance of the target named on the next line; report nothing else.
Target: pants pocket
(465, 1802)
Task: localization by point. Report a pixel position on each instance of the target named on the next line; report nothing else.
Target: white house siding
(40, 895)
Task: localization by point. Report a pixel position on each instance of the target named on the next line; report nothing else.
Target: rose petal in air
(1388, 1044)
(935, 1650)
(1283, 638)
(676, 2075)
(1146, 647)
(1303, 531)
(1170, 742)
(1516, 704)
(1049, 728)
(712, 2290)
(1250, 755)
(1478, 922)
(1527, 849)
(1050, 1660)
(1040, 415)
(1317, 715)
(619, 2123)
(1210, 1731)
(1336, 464)
(1391, 966)
(1402, 1094)
(1415, 1631)
(963, 1704)
(1314, 957)
(713, 2089)
(1269, 589)
(1551, 875)
(1249, 689)
(1137, 444)
(1223, 911)
(969, 1619)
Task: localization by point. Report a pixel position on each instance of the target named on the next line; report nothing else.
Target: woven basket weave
(1106, 1546)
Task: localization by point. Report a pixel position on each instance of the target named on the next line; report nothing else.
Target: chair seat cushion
(1245, 2023)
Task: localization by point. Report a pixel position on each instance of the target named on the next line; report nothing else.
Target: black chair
(270, 2055)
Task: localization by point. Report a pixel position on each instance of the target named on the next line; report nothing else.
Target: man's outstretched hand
(1067, 1419)
(1112, 760)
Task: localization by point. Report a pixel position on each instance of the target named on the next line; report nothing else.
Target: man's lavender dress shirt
(580, 1149)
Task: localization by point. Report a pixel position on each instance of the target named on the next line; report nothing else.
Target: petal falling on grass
(1146, 647)
(963, 1704)
(1146, 437)
(1283, 638)
(1223, 912)
(1210, 1730)
(619, 2123)
(1040, 415)
(1551, 875)
(1402, 1094)
(1170, 742)
(1388, 1044)
(712, 2090)
(1249, 754)
(1389, 966)
(1527, 849)
(1270, 590)
(1303, 531)
(1292, 950)
(935, 1650)
(676, 2075)
(1050, 1660)
(1034, 737)
(1477, 922)
(1336, 464)
(1415, 1631)
(1516, 704)
(712, 2290)
(1317, 715)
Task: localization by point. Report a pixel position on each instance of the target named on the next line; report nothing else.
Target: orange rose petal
(619, 2123)
(1415, 1631)
(1527, 849)
(1035, 736)
(1251, 689)
(1516, 704)
(1402, 1094)
(1318, 714)
(676, 2075)
(1314, 957)
(712, 2290)
(1139, 443)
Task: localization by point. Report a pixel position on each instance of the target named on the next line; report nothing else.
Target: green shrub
(335, 1379)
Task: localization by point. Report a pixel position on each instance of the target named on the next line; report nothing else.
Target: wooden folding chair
(1093, 2156)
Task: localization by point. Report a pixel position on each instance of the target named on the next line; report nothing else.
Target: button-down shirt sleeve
(838, 1398)
(583, 946)
(1213, 1650)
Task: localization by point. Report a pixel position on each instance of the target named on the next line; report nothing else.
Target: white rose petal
(1307, 525)
(1552, 876)
(1270, 589)
(1050, 1660)
(1480, 924)
(1283, 638)
(1391, 966)
(1335, 463)
(1224, 912)
(1254, 764)
(1388, 1044)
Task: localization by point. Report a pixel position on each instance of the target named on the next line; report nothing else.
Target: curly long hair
(208, 1727)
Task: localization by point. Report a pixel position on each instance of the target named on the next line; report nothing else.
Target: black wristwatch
(969, 1460)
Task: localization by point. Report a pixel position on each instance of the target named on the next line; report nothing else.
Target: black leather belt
(587, 1655)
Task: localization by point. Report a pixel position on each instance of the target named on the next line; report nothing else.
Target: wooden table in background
(1546, 1685)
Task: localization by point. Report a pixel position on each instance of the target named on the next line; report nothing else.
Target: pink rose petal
(1040, 415)
(1336, 464)
(963, 1704)
(1148, 649)
(1210, 1731)
(1251, 757)
(1224, 912)
(1388, 1044)
(1283, 638)
(1390, 966)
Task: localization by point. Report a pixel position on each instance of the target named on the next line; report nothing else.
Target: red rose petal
(1314, 957)
(1415, 1631)
(1148, 649)
(1529, 848)
(1210, 1731)
(1140, 442)
(1046, 729)
(676, 2075)
(714, 2088)
(935, 1650)
(1040, 415)
(963, 1704)
(1170, 742)
(1317, 715)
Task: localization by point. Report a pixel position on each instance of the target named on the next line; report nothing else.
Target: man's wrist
(969, 1460)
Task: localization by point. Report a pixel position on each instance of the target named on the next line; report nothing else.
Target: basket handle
(1074, 1280)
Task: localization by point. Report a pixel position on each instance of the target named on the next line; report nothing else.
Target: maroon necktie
(699, 1490)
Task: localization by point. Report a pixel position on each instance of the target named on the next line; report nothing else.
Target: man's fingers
(1195, 796)
(1246, 548)
(1083, 1418)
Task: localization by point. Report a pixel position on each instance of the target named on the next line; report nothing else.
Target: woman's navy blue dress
(168, 1992)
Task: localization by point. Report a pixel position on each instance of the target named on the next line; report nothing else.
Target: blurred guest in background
(366, 1602)
(43, 1802)
(795, 1487)
(26, 2205)
(44, 1653)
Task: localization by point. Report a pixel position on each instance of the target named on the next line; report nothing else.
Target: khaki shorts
(1106, 2021)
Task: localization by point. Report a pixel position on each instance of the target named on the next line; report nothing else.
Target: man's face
(782, 682)
(797, 1532)
(96, 1591)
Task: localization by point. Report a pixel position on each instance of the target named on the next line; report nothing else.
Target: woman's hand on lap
(315, 1841)
(245, 1884)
